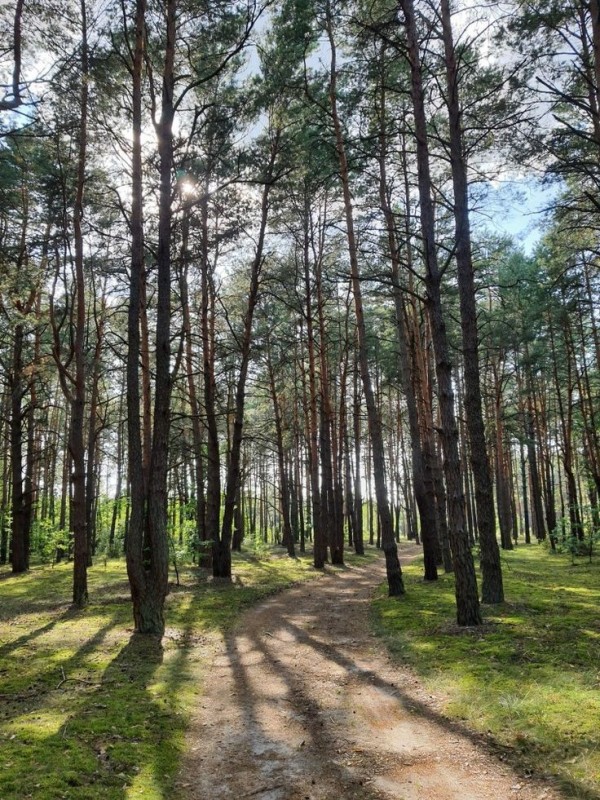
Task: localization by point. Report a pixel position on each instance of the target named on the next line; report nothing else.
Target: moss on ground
(529, 677)
(88, 711)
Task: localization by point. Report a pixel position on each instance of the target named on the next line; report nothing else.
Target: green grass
(529, 677)
(87, 710)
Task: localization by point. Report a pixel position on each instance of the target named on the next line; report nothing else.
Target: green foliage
(529, 677)
(47, 540)
(566, 541)
(104, 515)
(89, 711)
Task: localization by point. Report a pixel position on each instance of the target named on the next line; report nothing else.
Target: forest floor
(91, 711)
(302, 702)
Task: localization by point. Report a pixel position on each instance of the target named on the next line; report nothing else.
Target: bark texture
(388, 542)
(492, 590)
(467, 600)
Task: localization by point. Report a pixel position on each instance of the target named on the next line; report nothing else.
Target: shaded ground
(302, 703)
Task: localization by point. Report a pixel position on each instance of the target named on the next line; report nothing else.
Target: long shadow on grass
(100, 754)
(43, 680)
(119, 731)
(413, 705)
(160, 721)
(27, 638)
(94, 746)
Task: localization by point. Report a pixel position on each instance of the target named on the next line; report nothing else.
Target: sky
(515, 207)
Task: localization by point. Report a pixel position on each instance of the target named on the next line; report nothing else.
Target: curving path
(302, 703)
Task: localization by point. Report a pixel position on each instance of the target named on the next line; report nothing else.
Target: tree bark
(222, 545)
(213, 462)
(359, 545)
(76, 432)
(319, 541)
(94, 425)
(19, 549)
(425, 506)
(492, 590)
(467, 601)
(156, 517)
(14, 100)
(147, 543)
(393, 570)
(134, 538)
(284, 492)
(197, 439)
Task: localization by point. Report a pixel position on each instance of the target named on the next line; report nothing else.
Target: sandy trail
(302, 703)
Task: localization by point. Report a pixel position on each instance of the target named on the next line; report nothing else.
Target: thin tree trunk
(426, 508)
(14, 99)
(565, 416)
(92, 437)
(76, 433)
(393, 570)
(534, 474)
(19, 550)
(491, 585)
(205, 556)
(359, 546)
(319, 541)
(119, 484)
(222, 546)
(5, 500)
(325, 423)
(502, 489)
(213, 465)
(287, 537)
(467, 601)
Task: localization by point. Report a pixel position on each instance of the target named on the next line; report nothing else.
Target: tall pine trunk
(19, 535)
(467, 600)
(319, 541)
(425, 507)
(76, 432)
(147, 542)
(222, 544)
(393, 570)
(491, 585)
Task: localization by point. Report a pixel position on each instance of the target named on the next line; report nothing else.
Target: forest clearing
(295, 698)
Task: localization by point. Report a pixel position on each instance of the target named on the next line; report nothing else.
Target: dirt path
(302, 703)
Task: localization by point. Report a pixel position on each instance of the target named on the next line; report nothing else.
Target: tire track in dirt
(302, 703)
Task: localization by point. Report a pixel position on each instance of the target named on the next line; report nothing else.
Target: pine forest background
(251, 288)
